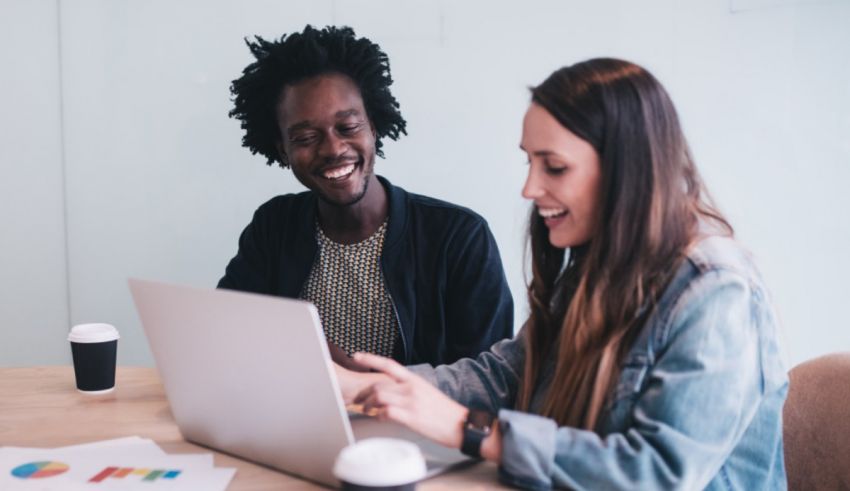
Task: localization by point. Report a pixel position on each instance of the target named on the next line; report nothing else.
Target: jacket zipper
(395, 312)
(400, 330)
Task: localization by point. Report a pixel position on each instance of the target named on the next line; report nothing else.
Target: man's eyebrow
(298, 126)
(347, 113)
(307, 123)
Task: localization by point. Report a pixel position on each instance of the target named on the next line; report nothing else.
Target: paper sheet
(122, 464)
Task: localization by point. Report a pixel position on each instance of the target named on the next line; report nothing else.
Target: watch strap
(476, 428)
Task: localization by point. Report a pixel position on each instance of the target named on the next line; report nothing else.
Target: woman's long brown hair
(652, 204)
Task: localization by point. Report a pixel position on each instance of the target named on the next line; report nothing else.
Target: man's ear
(281, 153)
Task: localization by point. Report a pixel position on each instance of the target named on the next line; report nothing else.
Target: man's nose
(332, 146)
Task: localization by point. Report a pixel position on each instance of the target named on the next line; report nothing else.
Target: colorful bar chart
(37, 470)
(146, 474)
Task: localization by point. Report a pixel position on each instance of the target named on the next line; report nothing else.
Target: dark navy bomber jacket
(440, 264)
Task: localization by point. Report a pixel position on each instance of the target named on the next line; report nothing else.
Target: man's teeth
(551, 212)
(339, 172)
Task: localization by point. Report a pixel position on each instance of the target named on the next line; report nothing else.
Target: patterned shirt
(348, 289)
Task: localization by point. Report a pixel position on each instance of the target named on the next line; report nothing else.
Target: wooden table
(40, 407)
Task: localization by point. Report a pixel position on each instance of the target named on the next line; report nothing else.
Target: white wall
(159, 187)
(33, 283)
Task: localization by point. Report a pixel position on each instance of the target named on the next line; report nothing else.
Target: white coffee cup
(380, 463)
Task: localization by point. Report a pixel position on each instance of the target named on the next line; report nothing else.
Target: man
(390, 272)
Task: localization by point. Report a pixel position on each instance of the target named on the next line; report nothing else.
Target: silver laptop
(250, 375)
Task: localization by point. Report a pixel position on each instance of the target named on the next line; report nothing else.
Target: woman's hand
(408, 399)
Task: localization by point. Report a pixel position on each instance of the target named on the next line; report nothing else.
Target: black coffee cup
(94, 348)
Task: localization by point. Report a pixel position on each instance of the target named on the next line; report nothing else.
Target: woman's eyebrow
(541, 153)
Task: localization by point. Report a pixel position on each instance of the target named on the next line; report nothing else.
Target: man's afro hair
(299, 56)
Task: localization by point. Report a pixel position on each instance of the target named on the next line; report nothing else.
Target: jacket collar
(396, 210)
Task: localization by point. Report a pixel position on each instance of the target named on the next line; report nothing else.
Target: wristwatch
(478, 426)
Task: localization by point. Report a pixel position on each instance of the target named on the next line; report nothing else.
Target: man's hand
(352, 383)
(342, 359)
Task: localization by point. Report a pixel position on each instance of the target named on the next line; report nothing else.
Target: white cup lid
(93, 333)
(380, 462)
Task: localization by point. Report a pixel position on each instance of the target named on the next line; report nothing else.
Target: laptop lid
(222, 356)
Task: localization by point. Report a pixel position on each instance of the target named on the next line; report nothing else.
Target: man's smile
(339, 173)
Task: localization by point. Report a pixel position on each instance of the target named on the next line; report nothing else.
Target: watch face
(480, 421)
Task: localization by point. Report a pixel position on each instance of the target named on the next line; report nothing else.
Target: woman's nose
(532, 188)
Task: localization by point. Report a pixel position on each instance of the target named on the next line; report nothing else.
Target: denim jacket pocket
(622, 397)
(629, 383)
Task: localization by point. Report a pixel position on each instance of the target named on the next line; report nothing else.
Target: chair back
(816, 427)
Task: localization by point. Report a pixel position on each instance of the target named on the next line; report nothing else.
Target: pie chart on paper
(36, 470)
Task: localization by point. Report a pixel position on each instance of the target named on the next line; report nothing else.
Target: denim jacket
(698, 402)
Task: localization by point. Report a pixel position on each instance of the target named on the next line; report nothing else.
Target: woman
(650, 358)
